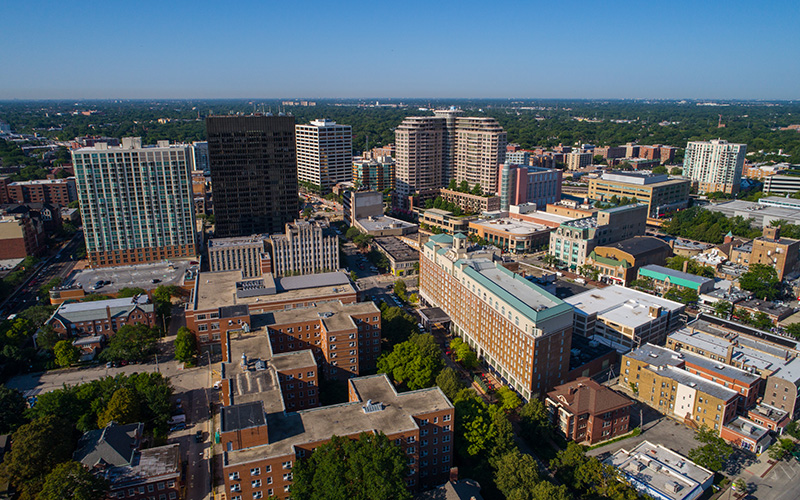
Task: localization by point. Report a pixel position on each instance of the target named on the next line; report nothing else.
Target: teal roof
(678, 278)
(460, 236)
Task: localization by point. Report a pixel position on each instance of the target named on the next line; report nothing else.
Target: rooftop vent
(261, 365)
(372, 407)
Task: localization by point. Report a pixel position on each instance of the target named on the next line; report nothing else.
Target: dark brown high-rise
(253, 172)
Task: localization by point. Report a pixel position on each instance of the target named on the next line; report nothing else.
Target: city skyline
(733, 51)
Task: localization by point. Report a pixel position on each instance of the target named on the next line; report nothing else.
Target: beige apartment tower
(324, 153)
(479, 152)
(420, 154)
(714, 165)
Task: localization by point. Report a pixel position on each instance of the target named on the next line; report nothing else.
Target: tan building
(772, 250)
(619, 262)
(307, 247)
(420, 155)
(20, 236)
(662, 194)
(471, 202)
(574, 240)
(444, 221)
(512, 235)
(578, 160)
(520, 331)
(480, 149)
(655, 378)
(246, 254)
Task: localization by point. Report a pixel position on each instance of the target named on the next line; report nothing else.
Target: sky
(700, 49)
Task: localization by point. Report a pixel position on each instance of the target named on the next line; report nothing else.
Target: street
(780, 483)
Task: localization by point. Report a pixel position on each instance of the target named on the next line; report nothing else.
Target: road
(779, 484)
(57, 266)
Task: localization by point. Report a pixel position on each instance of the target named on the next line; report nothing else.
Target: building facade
(253, 173)
(375, 174)
(247, 254)
(714, 165)
(518, 185)
(56, 191)
(519, 330)
(471, 202)
(662, 194)
(136, 202)
(479, 152)
(619, 262)
(324, 153)
(306, 247)
(20, 236)
(587, 412)
(577, 160)
(420, 155)
(101, 317)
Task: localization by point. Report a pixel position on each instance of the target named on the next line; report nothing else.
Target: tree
(508, 399)
(185, 346)
(47, 338)
(516, 471)
(130, 343)
(449, 382)
(66, 353)
(682, 295)
(12, 410)
(723, 309)
(676, 171)
(400, 289)
(415, 362)
(477, 190)
(162, 297)
(463, 187)
(72, 481)
(453, 185)
(475, 430)
(740, 485)
(351, 232)
(130, 292)
(714, 452)
(44, 290)
(781, 449)
(38, 447)
(371, 467)
(463, 353)
(396, 324)
(535, 421)
(793, 330)
(762, 280)
(661, 169)
(122, 409)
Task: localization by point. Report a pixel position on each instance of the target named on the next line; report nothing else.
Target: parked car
(198, 437)
(178, 427)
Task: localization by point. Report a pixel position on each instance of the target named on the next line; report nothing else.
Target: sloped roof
(584, 395)
(114, 445)
(96, 310)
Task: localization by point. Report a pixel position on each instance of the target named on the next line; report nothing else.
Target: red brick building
(56, 191)
(746, 384)
(588, 412)
(21, 236)
(101, 317)
(261, 444)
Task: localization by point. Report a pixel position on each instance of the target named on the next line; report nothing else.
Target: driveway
(659, 430)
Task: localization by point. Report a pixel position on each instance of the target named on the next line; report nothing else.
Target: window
(255, 471)
(446, 418)
(258, 494)
(256, 483)
(151, 489)
(287, 476)
(287, 465)
(236, 487)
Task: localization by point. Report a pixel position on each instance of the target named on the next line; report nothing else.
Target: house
(101, 317)
(114, 453)
(587, 412)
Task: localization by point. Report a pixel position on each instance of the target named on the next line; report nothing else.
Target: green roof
(609, 261)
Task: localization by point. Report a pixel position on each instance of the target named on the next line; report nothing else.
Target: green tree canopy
(122, 409)
(12, 409)
(475, 428)
(414, 363)
(131, 343)
(185, 345)
(130, 292)
(72, 481)
(449, 382)
(38, 447)
(508, 399)
(762, 280)
(369, 468)
(714, 452)
(66, 353)
(396, 324)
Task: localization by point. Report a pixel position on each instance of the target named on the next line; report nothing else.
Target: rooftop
(585, 223)
(399, 251)
(639, 178)
(256, 239)
(383, 222)
(512, 226)
(656, 356)
(653, 270)
(113, 445)
(769, 412)
(75, 312)
(747, 428)
(146, 276)
(638, 245)
(720, 369)
(686, 378)
(653, 466)
(585, 395)
(392, 413)
(162, 461)
(605, 300)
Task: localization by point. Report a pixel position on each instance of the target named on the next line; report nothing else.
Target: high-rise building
(136, 202)
(307, 247)
(479, 152)
(419, 155)
(576, 160)
(254, 173)
(199, 156)
(714, 165)
(375, 174)
(450, 115)
(520, 331)
(324, 153)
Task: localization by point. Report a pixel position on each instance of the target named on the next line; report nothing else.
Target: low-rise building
(620, 261)
(746, 434)
(403, 260)
(770, 417)
(775, 312)
(114, 454)
(782, 389)
(587, 412)
(55, 191)
(664, 278)
(657, 379)
(101, 317)
(661, 193)
(659, 472)
(576, 239)
(469, 202)
(773, 250)
(444, 221)
(624, 318)
(529, 212)
(306, 247)
(763, 212)
(512, 235)
(383, 225)
(262, 443)
(361, 205)
(21, 236)
(246, 253)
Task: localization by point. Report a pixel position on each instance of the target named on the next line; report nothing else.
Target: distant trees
(762, 280)
(703, 225)
(682, 295)
(130, 292)
(131, 343)
(12, 409)
(693, 267)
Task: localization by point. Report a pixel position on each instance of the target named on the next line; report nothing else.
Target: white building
(306, 248)
(479, 152)
(661, 473)
(714, 165)
(324, 153)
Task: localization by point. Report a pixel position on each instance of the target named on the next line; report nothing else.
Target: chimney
(655, 311)
(686, 266)
(772, 233)
(729, 354)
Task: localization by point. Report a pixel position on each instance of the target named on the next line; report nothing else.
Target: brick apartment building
(587, 412)
(101, 317)
(56, 191)
(20, 236)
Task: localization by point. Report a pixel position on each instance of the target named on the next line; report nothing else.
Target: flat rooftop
(652, 268)
(748, 428)
(587, 222)
(256, 239)
(512, 286)
(672, 475)
(605, 300)
(762, 214)
(656, 356)
(389, 413)
(697, 382)
(720, 369)
(398, 250)
(152, 462)
(383, 222)
(335, 316)
(511, 226)
(138, 276)
(218, 289)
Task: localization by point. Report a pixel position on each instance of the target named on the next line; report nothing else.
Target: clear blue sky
(294, 48)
